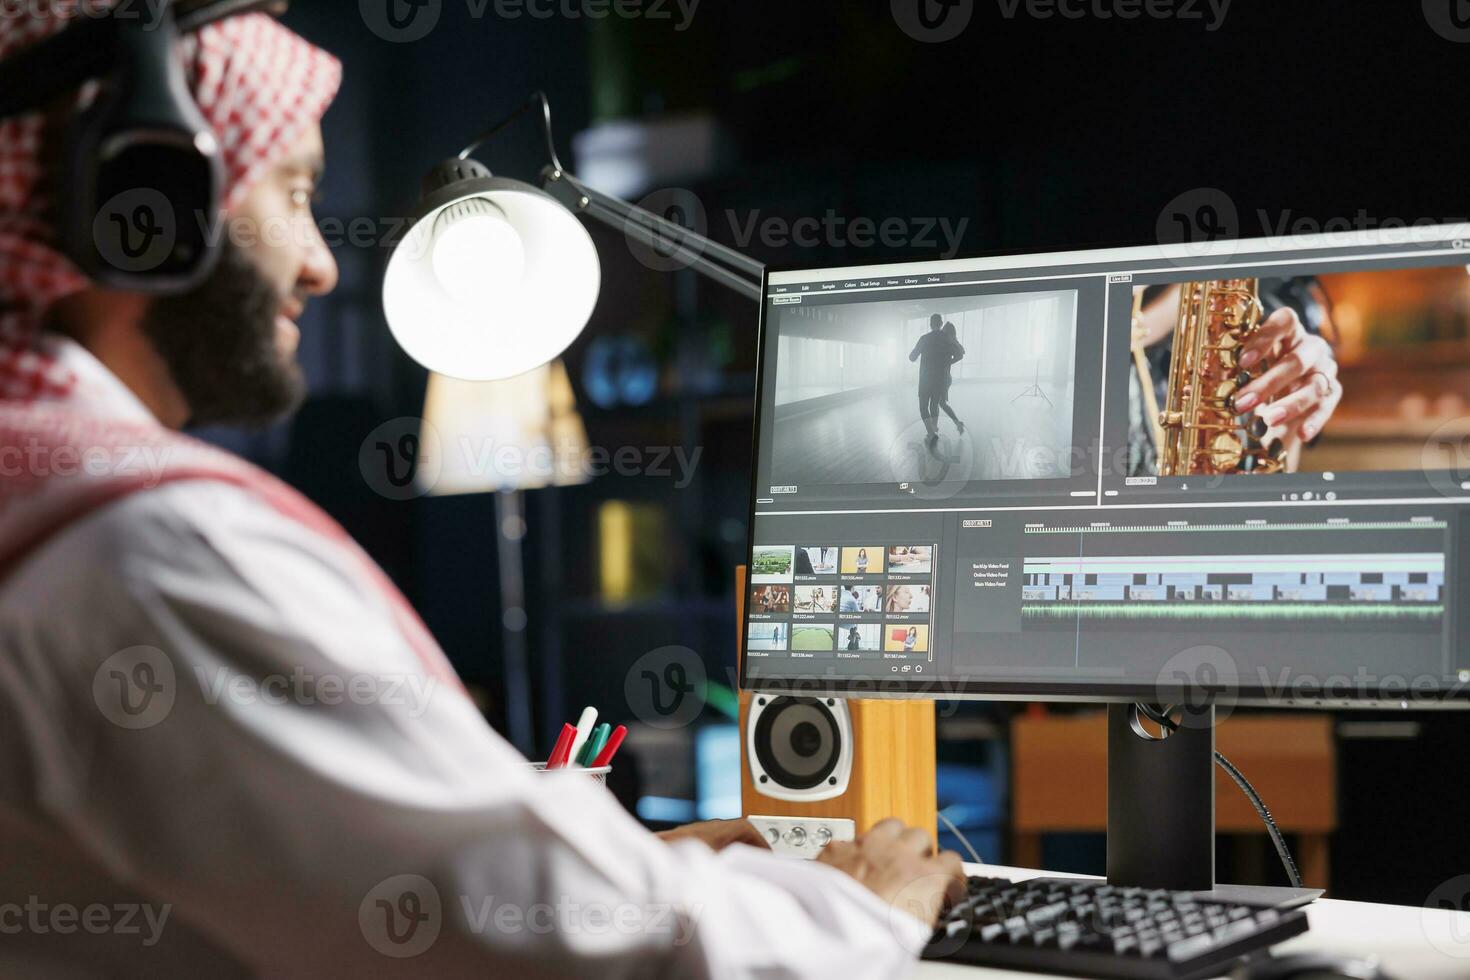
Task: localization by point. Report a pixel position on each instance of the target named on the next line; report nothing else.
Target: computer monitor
(962, 487)
(1039, 476)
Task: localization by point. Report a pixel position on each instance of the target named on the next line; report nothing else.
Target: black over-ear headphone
(139, 189)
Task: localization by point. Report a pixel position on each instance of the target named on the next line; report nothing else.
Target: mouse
(1311, 966)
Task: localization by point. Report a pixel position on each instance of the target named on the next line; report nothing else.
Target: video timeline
(1276, 587)
(1223, 571)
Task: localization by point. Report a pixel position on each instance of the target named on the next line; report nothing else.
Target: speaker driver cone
(798, 742)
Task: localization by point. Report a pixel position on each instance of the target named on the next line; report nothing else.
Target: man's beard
(219, 344)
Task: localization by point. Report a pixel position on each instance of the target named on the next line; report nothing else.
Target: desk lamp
(495, 277)
(493, 280)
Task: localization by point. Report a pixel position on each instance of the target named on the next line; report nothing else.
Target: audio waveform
(1336, 612)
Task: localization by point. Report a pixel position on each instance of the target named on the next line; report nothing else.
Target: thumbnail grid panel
(851, 601)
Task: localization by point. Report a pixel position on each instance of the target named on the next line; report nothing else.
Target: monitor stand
(1161, 810)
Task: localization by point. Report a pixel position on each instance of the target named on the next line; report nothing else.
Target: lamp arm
(538, 98)
(750, 289)
(721, 263)
(706, 256)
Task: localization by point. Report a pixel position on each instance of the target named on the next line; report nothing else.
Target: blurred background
(1020, 132)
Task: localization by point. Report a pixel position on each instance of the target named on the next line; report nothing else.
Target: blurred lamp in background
(504, 437)
(495, 277)
(523, 433)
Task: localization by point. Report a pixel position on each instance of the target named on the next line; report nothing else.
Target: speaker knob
(823, 836)
(796, 836)
(774, 836)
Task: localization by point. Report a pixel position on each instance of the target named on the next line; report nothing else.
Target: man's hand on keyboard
(719, 834)
(899, 865)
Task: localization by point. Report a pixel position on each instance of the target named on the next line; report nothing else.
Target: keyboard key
(1235, 930)
(1188, 949)
(1045, 915)
(1090, 928)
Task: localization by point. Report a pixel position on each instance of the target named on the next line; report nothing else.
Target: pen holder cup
(597, 775)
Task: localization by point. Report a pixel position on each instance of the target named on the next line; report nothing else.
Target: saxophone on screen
(1198, 431)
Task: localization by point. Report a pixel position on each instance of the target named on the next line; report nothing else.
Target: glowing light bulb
(478, 257)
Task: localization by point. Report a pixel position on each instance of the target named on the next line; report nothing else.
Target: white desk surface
(1410, 943)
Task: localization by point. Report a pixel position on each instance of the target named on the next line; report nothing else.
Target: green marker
(594, 744)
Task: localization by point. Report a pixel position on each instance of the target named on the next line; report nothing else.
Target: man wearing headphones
(230, 748)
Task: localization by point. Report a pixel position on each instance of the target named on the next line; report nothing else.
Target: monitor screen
(1239, 468)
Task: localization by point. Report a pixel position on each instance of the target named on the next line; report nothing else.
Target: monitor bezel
(1442, 697)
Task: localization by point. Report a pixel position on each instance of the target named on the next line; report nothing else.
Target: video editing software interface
(1060, 473)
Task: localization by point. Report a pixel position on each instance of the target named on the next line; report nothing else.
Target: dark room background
(1028, 130)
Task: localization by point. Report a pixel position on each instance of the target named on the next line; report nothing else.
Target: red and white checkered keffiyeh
(259, 86)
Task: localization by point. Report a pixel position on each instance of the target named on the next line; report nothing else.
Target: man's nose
(318, 275)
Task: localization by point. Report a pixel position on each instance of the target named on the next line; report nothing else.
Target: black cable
(538, 98)
(1292, 874)
(1162, 719)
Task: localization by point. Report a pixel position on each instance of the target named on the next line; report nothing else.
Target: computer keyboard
(1093, 929)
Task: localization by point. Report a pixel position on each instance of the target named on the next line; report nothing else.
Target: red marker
(611, 748)
(563, 747)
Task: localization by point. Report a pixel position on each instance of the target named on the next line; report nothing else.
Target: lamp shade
(494, 277)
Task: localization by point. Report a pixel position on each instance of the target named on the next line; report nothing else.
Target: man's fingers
(954, 866)
(749, 835)
(917, 841)
(884, 829)
(839, 852)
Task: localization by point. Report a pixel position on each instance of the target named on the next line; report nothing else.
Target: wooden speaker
(889, 747)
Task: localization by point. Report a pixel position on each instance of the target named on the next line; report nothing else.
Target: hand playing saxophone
(1300, 392)
(1295, 398)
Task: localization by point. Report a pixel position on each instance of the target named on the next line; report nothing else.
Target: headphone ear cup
(139, 207)
(76, 191)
